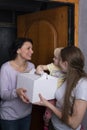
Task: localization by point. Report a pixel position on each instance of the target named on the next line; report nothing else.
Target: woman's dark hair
(18, 43)
(75, 60)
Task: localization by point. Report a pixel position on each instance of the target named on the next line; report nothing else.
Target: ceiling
(10, 9)
(23, 6)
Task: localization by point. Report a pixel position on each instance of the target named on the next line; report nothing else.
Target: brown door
(48, 30)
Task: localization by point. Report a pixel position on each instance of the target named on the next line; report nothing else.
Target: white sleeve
(81, 90)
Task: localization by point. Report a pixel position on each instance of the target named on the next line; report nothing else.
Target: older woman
(15, 108)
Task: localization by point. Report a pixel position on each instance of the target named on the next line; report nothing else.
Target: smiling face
(25, 52)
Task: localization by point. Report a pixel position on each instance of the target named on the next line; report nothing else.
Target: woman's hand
(21, 93)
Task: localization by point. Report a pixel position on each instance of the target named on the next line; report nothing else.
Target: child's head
(56, 55)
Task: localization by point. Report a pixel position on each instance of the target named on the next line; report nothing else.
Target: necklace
(20, 68)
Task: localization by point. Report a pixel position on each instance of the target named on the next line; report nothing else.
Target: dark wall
(7, 34)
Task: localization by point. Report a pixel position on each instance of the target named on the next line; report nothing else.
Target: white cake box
(45, 84)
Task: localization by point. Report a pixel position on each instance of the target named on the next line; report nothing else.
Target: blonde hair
(57, 51)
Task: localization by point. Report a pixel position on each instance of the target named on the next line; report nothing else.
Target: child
(54, 70)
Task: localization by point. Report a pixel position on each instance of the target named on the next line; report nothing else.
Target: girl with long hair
(71, 97)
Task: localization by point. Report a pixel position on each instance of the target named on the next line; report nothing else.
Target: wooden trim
(66, 1)
(76, 23)
(76, 18)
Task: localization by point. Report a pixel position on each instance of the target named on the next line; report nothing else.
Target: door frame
(76, 16)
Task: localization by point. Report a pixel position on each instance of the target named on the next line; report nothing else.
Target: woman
(71, 97)
(15, 107)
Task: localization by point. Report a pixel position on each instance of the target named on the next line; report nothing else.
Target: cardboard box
(45, 84)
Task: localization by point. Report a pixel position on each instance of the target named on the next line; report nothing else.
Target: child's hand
(39, 70)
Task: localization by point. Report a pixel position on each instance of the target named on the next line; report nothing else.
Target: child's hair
(57, 51)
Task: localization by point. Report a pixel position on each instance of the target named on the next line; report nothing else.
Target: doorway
(51, 27)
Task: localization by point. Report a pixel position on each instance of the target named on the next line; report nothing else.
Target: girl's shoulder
(80, 92)
(82, 81)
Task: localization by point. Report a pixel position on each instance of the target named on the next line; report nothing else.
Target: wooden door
(48, 30)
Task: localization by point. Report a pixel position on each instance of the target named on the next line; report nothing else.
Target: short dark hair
(18, 43)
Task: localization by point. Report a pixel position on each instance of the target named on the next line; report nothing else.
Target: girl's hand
(21, 93)
(43, 101)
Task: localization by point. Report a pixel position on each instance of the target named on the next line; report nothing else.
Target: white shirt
(79, 92)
